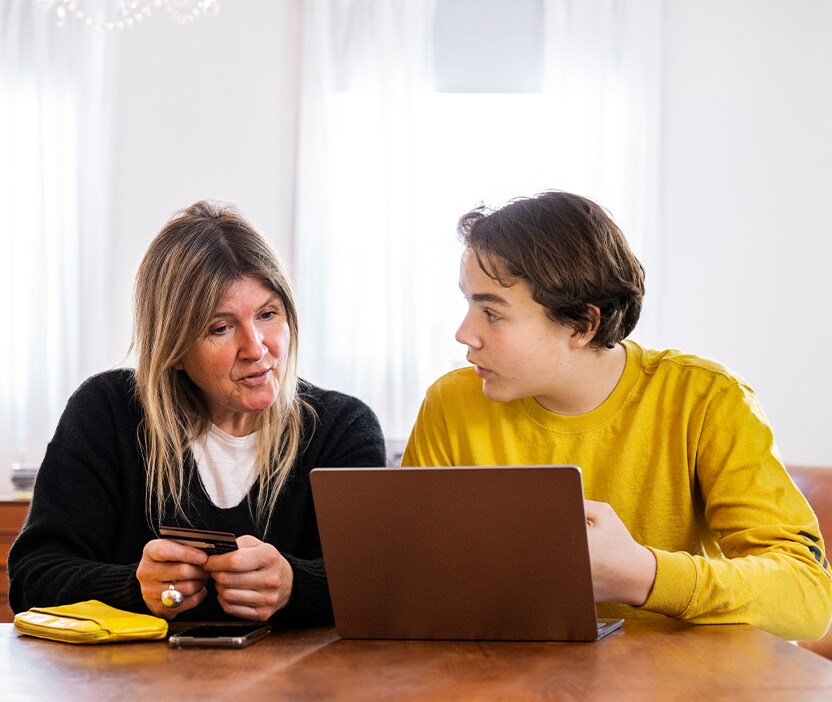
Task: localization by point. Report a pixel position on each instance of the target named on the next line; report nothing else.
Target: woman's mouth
(255, 379)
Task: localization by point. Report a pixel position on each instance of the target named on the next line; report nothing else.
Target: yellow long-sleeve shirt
(682, 451)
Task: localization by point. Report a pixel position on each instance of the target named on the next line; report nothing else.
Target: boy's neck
(592, 379)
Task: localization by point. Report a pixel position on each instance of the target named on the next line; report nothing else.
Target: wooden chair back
(815, 482)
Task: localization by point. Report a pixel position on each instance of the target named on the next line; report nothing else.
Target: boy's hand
(622, 570)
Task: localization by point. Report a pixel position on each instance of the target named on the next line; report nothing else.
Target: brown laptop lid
(456, 553)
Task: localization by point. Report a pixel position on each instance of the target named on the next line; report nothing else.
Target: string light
(122, 14)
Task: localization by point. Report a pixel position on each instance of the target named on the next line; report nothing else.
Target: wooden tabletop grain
(661, 660)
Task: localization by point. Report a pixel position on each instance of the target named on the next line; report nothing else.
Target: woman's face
(239, 362)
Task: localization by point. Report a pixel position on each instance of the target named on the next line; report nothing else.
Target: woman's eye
(221, 329)
(268, 314)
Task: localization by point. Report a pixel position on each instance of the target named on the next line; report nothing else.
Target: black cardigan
(87, 522)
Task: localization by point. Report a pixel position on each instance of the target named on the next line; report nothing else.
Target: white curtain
(54, 176)
(366, 74)
(387, 166)
(602, 74)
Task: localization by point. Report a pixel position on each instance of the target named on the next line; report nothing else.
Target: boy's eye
(491, 316)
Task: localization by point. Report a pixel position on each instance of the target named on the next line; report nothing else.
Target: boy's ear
(582, 338)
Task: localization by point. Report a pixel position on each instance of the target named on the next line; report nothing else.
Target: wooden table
(644, 661)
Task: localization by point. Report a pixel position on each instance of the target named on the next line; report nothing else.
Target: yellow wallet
(89, 622)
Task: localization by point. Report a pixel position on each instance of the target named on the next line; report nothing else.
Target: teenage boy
(690, 511)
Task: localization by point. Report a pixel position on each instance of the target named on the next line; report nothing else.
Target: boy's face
(516, 349)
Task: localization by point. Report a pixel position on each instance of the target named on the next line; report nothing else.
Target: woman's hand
(254, 581)
(164, 562)
(622, 570)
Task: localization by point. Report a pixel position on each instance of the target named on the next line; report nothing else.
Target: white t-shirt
(226, 465)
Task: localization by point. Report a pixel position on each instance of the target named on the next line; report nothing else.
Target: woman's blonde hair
(185, 273)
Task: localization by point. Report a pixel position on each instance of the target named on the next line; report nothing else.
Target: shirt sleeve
(772, 571)
(84, 495)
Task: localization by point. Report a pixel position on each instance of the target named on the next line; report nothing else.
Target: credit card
(212, 542)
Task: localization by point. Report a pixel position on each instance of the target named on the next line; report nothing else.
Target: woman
(213, 430)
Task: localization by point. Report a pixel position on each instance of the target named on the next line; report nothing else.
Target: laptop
(462, 553)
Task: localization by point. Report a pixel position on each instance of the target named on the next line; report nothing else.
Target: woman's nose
(251, 343)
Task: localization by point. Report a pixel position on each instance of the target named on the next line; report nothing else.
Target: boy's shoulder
(674, 362)
(459, 380)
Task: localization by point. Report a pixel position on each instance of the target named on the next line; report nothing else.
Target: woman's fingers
(165, 563)
(254, 581)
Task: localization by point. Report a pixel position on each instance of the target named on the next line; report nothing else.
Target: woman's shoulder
(114, 390)
(344, 430)
(335, 409)
(325, 399)
(102, 407)
(115, 382)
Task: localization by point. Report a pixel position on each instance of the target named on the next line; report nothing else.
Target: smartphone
(219, 636)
